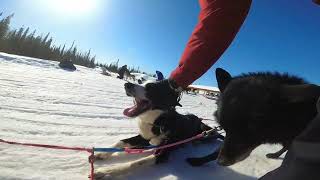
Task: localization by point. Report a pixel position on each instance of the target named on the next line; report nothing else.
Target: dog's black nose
(128, 85)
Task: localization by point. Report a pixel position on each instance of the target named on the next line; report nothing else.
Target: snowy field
(41, 103)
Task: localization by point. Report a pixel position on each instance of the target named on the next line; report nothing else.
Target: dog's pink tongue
(130, 112)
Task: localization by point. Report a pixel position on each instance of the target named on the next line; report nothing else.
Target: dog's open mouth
(139, 107)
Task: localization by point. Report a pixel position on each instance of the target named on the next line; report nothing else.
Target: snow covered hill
(41, 103)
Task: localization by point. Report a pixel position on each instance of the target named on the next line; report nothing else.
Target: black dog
(159, 124)
(259, 108)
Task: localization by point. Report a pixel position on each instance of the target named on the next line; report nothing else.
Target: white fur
(125, 168)
(140, 92)
(145, 122)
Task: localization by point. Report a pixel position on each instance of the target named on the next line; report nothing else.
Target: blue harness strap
(118, 149)
(108, 149)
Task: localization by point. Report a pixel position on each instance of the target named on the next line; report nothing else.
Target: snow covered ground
(41, 103)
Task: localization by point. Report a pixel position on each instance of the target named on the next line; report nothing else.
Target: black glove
(164, 93)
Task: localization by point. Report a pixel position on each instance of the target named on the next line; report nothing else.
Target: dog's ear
(299, 93)
(223, 78)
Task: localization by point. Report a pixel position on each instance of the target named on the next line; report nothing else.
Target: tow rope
(152, 149)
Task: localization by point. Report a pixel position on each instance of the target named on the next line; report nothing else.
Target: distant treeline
(24, 42)
(114, 67)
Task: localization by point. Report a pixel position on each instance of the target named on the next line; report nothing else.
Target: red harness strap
(59, 147)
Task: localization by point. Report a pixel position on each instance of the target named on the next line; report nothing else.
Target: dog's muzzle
(135, 90)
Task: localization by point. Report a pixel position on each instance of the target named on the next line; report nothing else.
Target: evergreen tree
(4, 25)
(22, 42)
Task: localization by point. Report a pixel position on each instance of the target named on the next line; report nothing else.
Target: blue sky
(278, 35)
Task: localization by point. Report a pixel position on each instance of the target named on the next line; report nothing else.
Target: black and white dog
(159, 124)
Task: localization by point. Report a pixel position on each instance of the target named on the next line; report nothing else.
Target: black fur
(258, 108)
(136, 141)
(162, 95)
(255, 108)
(180, 126)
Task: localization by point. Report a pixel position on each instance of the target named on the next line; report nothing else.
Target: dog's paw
(112, 172)
(102, 174)
(98, 176)
(272, 156)
(101, 156)
(194, 161)
(155, 141)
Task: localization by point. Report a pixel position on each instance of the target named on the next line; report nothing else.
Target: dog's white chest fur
(145, 123)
